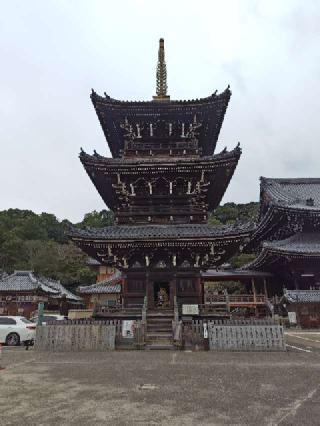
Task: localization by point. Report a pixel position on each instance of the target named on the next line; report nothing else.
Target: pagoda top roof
(297, 193)
(209, 112)
(156, 232)
(108, 100)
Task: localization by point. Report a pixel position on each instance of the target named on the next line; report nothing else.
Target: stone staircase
(159, 329)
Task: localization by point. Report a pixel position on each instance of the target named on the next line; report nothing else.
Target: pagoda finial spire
(161, 75)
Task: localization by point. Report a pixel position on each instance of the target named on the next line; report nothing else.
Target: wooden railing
(103, 309)
(235, 298)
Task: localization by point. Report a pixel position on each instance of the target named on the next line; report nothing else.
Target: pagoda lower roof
(210, 111)
(299, 246)
(161, 232)
(220, 169)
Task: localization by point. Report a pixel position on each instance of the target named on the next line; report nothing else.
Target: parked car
(47, 318)
(15, 330)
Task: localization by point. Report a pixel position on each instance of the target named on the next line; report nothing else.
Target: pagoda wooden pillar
(265, 287)
(149, 291)
(125, 292)
(199, 290)
(254, 295)
(173, 290)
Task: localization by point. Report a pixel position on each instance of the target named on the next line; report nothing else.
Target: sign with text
(190, 309)
(127, 328)
(292, 317)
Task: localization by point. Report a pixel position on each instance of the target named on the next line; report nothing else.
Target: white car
(16, 330)
(47, 318)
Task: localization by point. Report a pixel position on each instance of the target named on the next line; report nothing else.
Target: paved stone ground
(303, 340)
(159, 388)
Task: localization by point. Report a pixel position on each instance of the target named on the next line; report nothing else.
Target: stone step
(159, 347)
(160, 314)
(158, 336)
(159, 330)
(159, 320)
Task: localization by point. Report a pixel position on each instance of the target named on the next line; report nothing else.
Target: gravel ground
(159, 388)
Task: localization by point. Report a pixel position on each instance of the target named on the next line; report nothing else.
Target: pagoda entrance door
(161, 294)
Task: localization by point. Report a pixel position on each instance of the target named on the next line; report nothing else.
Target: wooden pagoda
(161, 182)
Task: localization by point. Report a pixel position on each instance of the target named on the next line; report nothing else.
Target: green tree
(98, 219)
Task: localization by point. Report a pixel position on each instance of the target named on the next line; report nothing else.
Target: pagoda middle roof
(209, 111)
(221, 167)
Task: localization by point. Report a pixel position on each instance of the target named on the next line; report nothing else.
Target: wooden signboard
(190, 309)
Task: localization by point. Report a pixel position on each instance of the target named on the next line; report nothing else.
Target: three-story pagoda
(161, 184)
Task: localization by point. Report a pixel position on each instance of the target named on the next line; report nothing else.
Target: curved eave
(161, 233)
(220, 168)
(110, 110)
(220, 180)
(275, 219)
(268, 257)
(97, 245)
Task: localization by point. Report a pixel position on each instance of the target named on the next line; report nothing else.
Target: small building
(303, 307)
(102, 271)
(21, 292)
(104, 293)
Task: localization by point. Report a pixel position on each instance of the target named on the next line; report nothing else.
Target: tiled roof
(125, 232)
(100, 159)
(110, 285)
(301, 193)
(219, 170)
(302, 296)
(209, 111)
(27, 281)
(300, 243)
(93, 262)
(56, 285)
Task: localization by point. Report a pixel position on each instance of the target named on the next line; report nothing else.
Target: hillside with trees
(39, 242)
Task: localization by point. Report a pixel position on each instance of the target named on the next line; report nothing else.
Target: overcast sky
(54, 52)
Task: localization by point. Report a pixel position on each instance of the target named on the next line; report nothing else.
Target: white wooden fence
(245, 337)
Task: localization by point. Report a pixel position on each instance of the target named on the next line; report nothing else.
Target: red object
(31, 327)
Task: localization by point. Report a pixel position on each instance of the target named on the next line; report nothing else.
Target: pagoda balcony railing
(161, 145)
(235, 299)
(163, 210)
